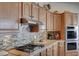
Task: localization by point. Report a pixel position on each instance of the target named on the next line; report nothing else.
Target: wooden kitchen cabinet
(26, 10)
(42, 14)
(30, 9)
(55, 49)
(61, 48)
(49, 51)
(43, 53)
(34, 12)
(38, 54)
(75, 18)
(9, 14)
(68, 19)
(50, 21)
(54, 22)
(71, 53)
(57, 22)
(71, 19)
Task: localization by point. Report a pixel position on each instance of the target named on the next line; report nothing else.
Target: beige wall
(63, 6)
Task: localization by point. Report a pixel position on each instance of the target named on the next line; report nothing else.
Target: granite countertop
(47, 43)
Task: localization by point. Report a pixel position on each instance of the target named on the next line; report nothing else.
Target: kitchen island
(51, 48)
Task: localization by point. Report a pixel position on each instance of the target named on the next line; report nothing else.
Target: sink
(29, 47)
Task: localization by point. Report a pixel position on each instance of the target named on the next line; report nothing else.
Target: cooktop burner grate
(29, 47)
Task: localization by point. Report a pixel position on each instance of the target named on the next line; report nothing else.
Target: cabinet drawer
(43, 53)
(72, 53)
(38, 54)
(49, 52)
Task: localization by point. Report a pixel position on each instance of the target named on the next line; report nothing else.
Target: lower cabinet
(61, 48)
(56, 49)
(38, 54)
(49, 51)
(72, 53)
(43, 53)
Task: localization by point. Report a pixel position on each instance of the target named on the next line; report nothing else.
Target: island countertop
(47, 44)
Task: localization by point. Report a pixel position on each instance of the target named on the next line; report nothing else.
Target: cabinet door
(72, 53)
(50, 22)
(49, 51)
(57, 22)
(26, 9)
(75, 18)
(71, 18)
(55, 48)
(68, 19)
(43, 53)
(35, 11)
(61, 48)
(42, 15)
(52, 50)
(38, 54)
(9, 14)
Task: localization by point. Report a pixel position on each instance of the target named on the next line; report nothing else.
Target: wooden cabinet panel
(55, 48)
(30, 9)
(43, 53)
(62, 27)
(57, 22)
(68, 19)
(75, 18)
(42, 14)
(50, 22)
(49, 51)
(72, 53)
(26, 9)
(35, 11)
(38, 54)
(61, 51)
(52, 50)
(9, 14)
(71, 18)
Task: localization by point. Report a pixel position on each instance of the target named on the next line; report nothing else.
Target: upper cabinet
(34, 11)
(71, 18)
(53, 22)
(9, 14)
(26, 10)
(30, 10)
(50, 21)
(57, 22)
(75, 18)
(42, 14)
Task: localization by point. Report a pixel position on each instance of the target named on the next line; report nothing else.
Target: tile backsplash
(17, 39)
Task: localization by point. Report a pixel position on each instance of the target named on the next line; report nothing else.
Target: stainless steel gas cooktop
(29, 47)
